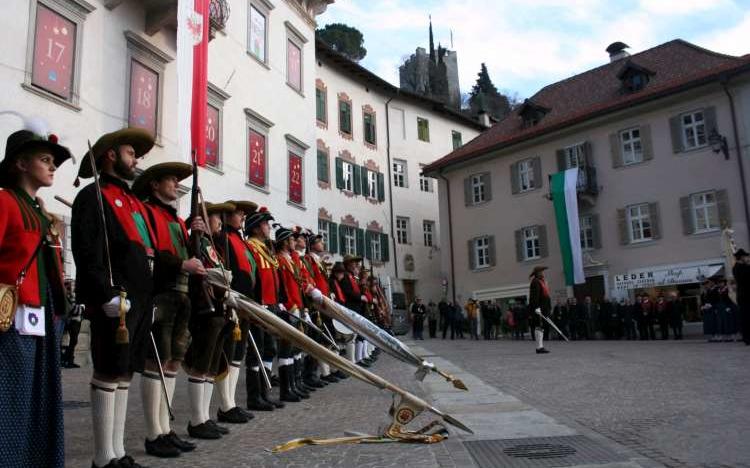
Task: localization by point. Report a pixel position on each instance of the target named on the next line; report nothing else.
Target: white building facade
(372, 141)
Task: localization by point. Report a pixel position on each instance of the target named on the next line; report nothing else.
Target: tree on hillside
(485, 97)
(344, 39)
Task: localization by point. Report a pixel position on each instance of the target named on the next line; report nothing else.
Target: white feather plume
(35, 124)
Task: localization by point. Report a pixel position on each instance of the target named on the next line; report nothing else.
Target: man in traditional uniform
(158, 187)
(271, 294)
(210, 331)
(355, 300)
(319, 276)
(741, 273)
(290, 281)
(118, 301)
(239, 261)
(539, 298)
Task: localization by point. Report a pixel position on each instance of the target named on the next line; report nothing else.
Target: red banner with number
(257, 156)
(54, 52)
(144, 96)
(295, 178)
(212, 136)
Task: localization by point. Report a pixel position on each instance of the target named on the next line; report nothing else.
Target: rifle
(200, 295)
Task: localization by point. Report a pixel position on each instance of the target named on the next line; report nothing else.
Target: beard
(122, 170)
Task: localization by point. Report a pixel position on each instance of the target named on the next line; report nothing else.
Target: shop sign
(664, 277)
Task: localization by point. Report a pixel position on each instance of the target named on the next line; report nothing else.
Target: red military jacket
(170, 241)
(291, 278)
(22, 225)
(317, 272)
(267, 277)
(305, 276)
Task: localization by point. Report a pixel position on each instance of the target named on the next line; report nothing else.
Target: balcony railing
(587, 183)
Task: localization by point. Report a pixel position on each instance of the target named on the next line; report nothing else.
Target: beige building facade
(649, 134)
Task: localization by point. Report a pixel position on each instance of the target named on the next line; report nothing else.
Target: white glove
(333, 296)
(364, 298)
(234, 318)
(217, 276)
(306, 317)
(231, 301)
(374, 300)
(281, 306)
(316, 295)
(112, 308)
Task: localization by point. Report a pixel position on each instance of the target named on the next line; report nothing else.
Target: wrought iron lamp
(218, 14)
(718, 143)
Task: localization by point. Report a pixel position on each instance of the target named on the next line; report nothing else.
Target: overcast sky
(527, 44)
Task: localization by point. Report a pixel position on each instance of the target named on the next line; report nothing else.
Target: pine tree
(485, 97)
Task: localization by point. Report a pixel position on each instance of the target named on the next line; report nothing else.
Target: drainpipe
(389, 169)
(724, 80)
(450, 234)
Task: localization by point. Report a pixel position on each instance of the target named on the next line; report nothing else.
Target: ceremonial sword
(552, 324)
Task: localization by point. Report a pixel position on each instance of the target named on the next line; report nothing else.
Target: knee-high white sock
(350, 351)
(325, 369)
(196, 389)
(222, 386)
(358, 351)
(121, 414)
(170, 381)
(539, 339)
(208, 391)
(151, 394)
(103, 418)
(234, 373)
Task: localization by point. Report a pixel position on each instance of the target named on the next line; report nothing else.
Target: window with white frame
(348, 172)
(632, 149)
(693, 130)
(574, 156)
(323, 230)
(257, 31)
(587, 232)
(402, 230)
(376, 249)
(531, 247)
(639, 220)
(429, 231)
(482, 252)
(477, 189)
(399, 173)
(350, 240)
(425, 183)
(526, 175)
(372, 184)
(705, 211)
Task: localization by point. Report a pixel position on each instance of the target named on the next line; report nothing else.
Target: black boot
(181, 444)
(293, 382)
(161, 447)
(340, 375)
(220, 429)
(203, 431)
(233, 416)
(299, 380)
(254, 400)
(264, 394)
(330, 378)
(285, 386)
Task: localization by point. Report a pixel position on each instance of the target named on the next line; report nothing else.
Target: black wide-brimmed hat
(283, 234)
(338, 267)
(246, 206)
(537, 270)
(142, 184)
(352, 258)
(257, 217)
(141, 140)
(740, 253)
(218, 208)
(24, 141)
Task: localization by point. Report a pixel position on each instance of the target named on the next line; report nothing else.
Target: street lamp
(718, 143)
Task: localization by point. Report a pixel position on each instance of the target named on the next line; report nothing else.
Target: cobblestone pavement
(346, 406)
(680, 403)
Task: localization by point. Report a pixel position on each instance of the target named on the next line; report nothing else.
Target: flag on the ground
(565, 198)
(192, 77)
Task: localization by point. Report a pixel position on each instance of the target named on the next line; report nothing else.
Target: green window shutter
(597, 231)
(468, 195)
(323, 166)
(384, 245)
(675, 129)
(339, 173)
(487, 180)
(333, 237)
(653, 211)
(515, 186)
(519, 245)
(709, 117)
(368, 246)
(320, 105)
(687, 216)
(493, 260)
(357, 182)
(360, 238)
(470, 245)
(342, 240)
(365, 182)
(381, 187)
(543, 243)
(536, 165)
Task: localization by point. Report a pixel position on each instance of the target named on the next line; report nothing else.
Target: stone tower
(432, 73)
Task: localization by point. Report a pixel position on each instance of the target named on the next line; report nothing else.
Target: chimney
(484, 118)
(617, 51)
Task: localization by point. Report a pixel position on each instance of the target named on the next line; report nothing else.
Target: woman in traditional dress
(31, 415)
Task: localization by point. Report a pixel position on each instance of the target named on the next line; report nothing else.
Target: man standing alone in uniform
(539, 298)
